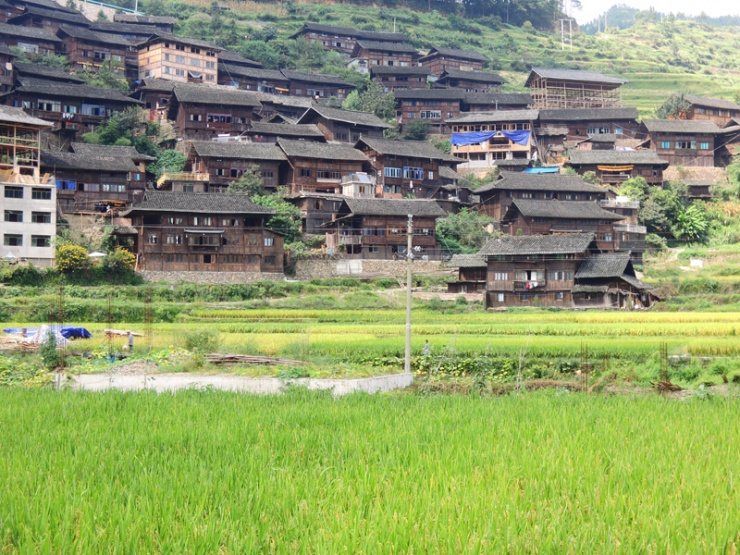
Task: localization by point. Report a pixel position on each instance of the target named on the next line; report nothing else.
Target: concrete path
(173, 382)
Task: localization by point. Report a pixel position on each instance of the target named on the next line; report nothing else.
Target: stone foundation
(210, 278)
(315, 269)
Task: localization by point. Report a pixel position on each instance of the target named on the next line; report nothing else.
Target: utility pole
(409, 256)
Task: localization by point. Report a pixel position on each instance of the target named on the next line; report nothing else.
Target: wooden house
(203, 232)
(700, 189)
(573, 88)
(264, 132)
(470, 81)
(378, 228)
(155, 95)
(87, 50)
(472, 270)
(345, 126)
(406, 167)
(278, 108)
(204, 113)
(25, 71)
(490, 101)
(727, 143)
(715, 109)
(396, 77)
(50, 19)
(253, 78)
(134, 33)
(317, 210)
(342, 39)
(484, 139)
(371, 53)
(497, 196)
(682, 142)
(608, 280)
(224, 162)
(31, 40)
(439, 59)
(164, 23)
(235, 59)
(435, 106)
(7, 68)
(319, 167)
(173, 58)
(317, 85)
(613, 167)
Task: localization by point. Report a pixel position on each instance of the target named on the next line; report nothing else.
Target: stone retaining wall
(314, 269)
(208, 278)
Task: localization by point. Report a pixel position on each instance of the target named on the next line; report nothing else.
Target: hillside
(657, 58)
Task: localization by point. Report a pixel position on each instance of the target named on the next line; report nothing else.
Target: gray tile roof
(224, 96)
(90, 150)
(429, 94)
(409, 149)
(50, 4)
(518, 181)
(6, 51)
(70, 90)
(53, 161)
(347, 116)
(132, 29)
(400, 47)
(349, 32)
(285, 130)
(579, 288)
(238, 150)
(394, 207)
(28, 32)
(399, 70)
(144, 19)
(161, 85)
(321, 151)
(75, 18)
(9, 114)
(566, 243)
(712, 102)
(457, 53)
(445, 172)
(496, 116)
(557, 209)
(603, 265)
(82, 33)
(184, 40)
(498, 99)
(475, 76)
(575, 75)
(200, 203)
(316, 78)
(603, 138)
(46, 72)
(467, 261)
(285, 100)
(271, 75)
(680, 126)
(236, 59)
(588, 114)
(579, 157)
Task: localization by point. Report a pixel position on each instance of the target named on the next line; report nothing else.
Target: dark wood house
(608, 280)
(50, 19)
(263, 132)
(25, 71)
(204, 113)
(395, 77)
(613, 167)
(345, 126)
(342, 39)
(202, 232)
(253, 78)
(406, 167)
(472, 270)
(435, 106)
(164, 23)
(370, 53)
(278, 108)
(134, 33)
(573, 88)
(715, 109)
(470, 81)
(31, 40)
(377, 228)
(439, 59)
(317, 85)
(682, 142)
(317, 210)
(87, 50)
(488, 101)
(315, 167)
(7, 68)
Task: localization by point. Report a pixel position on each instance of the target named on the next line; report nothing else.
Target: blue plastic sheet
(68, 332)
(478, 137)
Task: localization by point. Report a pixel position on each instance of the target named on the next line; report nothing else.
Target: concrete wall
(40, 256)
(210, 277)
(313, 269)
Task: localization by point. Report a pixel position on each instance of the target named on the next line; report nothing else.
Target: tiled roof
(588, 114)
(132, 29)
(93, 36)
(161, 85)
(73, 18)
(518, 181)
(144, 19)
(184, 40)
(46, 72)
(6, 51)
(284, 100)
(712, 102)
(28, 32)
(603, 265)
(236, 59)
(457, 53)
(446, 172)
(90, 150)
(575, 75)
(73, 161)
(409, 149)
(570, 210)
(234, 149)
(285, 130)
(70, 90)
(347, 116)
(9, 114)
(223, 96)
(349, 32)
(386, 46)
(202, 203)
(467, 261)
(602, 138)
(399, 70)
(321, 151)
(429, 94)
(49, 4)
(680, 126)
(578, 157)
(498, 99)
(394, 207)
(272, 75)
(475, 76)
(496, 116)
(566, 243)
(316, 78)
(579, 288)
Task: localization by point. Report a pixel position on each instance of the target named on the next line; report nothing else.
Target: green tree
(49, 60)
(692, 224)
(674, 106)
(374, 100)
(464, 232)
(102, 17)
(120, 260)
(251, 183)
(591, 177)
(635, 188)
(71, 259)
(287, 217)
(107, 76)
(417, 130)
(169, 161)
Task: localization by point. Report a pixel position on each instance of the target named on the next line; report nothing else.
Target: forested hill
(657, 57)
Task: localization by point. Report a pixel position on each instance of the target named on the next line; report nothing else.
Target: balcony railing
(630, 228)
(182, 176)
(615, 203)
(530, 285)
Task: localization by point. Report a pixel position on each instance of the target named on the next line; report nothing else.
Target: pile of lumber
(113, 333)
(218, 358)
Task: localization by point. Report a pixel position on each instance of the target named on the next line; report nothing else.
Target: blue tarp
(69, 332)
(477, 137)
(542, 170)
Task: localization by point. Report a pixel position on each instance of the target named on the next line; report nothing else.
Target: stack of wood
(218, 358)
(124, 333)
(666, 386)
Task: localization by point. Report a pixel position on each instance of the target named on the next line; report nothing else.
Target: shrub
(655, 242)
(202, 341)
(71, 259)
(120, 260)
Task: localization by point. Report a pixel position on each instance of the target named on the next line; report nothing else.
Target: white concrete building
(28, 199)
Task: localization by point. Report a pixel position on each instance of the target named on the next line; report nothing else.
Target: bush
(655, 242)
(120, 260)
(201, 342)
(71, 259)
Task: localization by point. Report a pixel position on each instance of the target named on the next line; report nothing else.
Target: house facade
(89, 50)
(472, 270)
(342, 39)
(469, 81)
(439, 59)
(173, 58)
(614, 167)
(714, 109)
(682, 142)
(345, 126)
(370, 53)
(571, 88)
(31, 40)
(253, 78)
(317, 85)
(395, 77)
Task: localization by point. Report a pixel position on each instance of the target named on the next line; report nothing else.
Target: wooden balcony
(530, 285)
(182, 176)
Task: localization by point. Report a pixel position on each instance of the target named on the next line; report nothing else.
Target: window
(219, 118)
(229, 222)
(40, 240)
(180, 59)
(305, 172)
(210, 65)
(41, 194)
(152, 239)
(174, 221)
(253, 259)
(598, 130)
(270, 260)
(166, 57)
(703, 146)
(430, 114)
(373, 248)
(50, 105)
(500, 276)
(13, 192)
(269, 241)
(113, 188)
(208, 259)
(196, 117)
(665, 144)
(393, 172)
(525, 195)
(430, 175)
(322, 174)
(167, 70)
(559, 296)
(12, 240)
(231, 259)
(194, 62)
(15, 216)
(173, 239)
(41, 217)
(686, 145)
(180, 72)
(70, 109)
(499, 297)
(209, 77)
(413, 173)
(202, 220)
